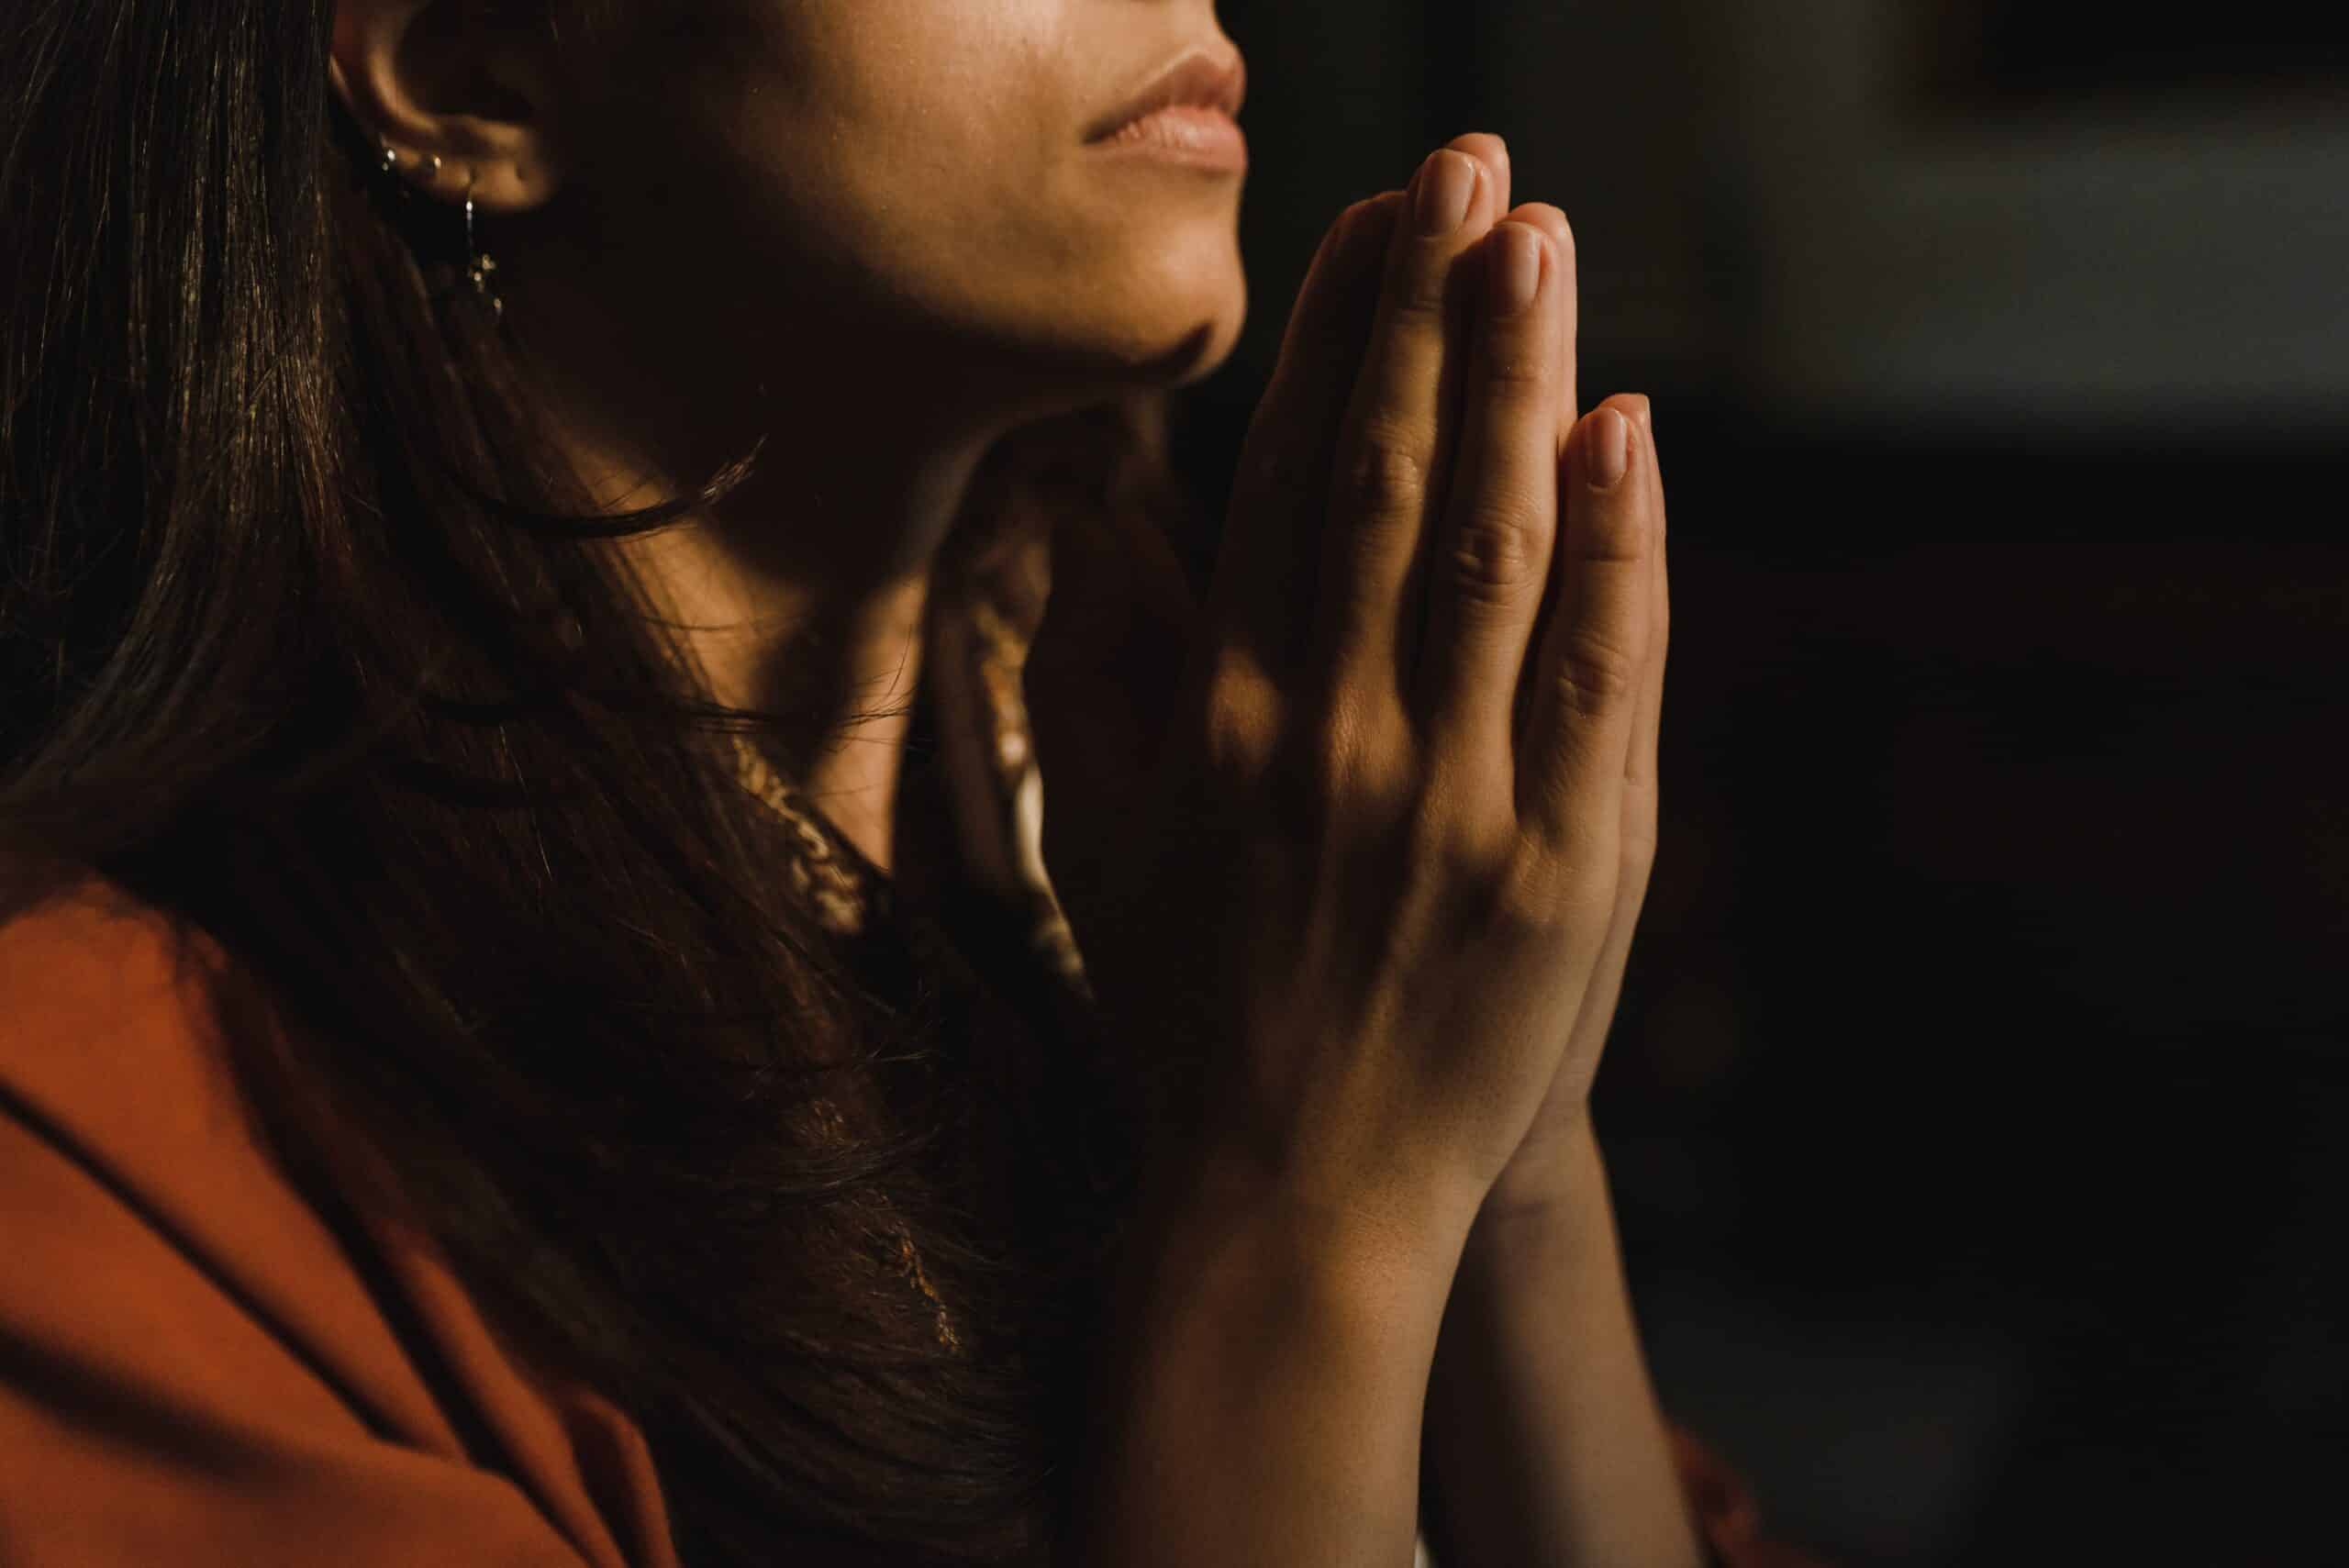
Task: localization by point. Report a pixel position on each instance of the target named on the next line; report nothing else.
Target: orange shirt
(197, 1369)
(193, 1367)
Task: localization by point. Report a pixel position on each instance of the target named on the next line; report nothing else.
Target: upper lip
(1214, 78)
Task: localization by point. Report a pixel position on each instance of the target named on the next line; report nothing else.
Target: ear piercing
(428, 164)
(479, 264)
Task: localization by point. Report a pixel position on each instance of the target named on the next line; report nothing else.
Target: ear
(456, 80)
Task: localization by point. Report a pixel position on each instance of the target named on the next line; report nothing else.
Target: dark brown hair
(307, 639)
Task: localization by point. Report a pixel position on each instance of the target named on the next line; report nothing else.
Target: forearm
(1545, 1444)
(1264, 1399)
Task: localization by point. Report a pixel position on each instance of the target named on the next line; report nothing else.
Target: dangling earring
(478, 264)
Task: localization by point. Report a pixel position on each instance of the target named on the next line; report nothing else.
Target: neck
(805, 589)
(835, 634)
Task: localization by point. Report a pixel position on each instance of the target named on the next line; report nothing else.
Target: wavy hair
(308, 638)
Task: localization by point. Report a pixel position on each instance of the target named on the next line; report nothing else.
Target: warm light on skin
(868, 232)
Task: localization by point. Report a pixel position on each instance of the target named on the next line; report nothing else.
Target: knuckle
(1345, 778)
(1384, 470)
(1465, 852)
(1494, 554)
(1560, 888)
(1519, 363)
(1596, 674)
(1337, 758)
(1527, 900)
(1242, 718)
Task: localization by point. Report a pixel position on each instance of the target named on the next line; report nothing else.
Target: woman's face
(901, 187)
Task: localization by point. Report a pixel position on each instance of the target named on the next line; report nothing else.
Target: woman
(540, 1030)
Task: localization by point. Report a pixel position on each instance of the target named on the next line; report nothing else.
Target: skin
(860, 186)
(722, 204)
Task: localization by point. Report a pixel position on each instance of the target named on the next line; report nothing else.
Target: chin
(1194, 351)
(1165, 317)
(1181, 322)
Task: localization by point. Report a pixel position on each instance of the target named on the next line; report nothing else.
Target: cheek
(1043, 252)
(918, 192)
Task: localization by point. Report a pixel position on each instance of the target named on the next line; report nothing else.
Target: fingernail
(1610, 449)
(1447, 184)
(1516, 268)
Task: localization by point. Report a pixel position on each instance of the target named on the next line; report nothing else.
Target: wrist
(1408, 1229)
(1556, 1174)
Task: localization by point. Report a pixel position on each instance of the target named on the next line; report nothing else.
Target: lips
(1212, 79)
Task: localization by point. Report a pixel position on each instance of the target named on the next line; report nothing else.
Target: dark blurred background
(1976, 1106)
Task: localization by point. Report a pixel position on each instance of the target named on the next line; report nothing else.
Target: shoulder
(110, 1026)
(115, 1063)
(196, 1363)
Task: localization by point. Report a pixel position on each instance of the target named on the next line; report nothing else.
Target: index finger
(1273, 519)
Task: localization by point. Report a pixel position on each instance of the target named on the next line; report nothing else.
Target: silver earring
(426, 163)
(416, 164)
(478, 264)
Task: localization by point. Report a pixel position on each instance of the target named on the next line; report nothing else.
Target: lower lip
(1204, 137)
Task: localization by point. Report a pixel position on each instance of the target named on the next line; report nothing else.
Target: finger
(1490, 569)
(1552, 222)
(1593, 654)
(1640, 778)
(1271, 539)
(1386, 484)
(1641, 790)
(1493, 152)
